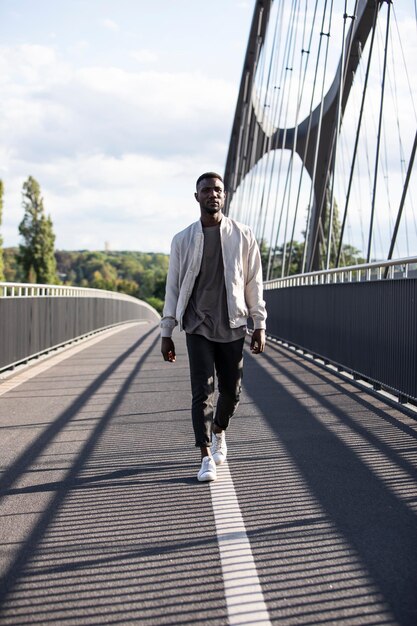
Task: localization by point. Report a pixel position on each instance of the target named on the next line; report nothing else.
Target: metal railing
(380, 270)
(35, 319)
(30, 290)
(361, 319)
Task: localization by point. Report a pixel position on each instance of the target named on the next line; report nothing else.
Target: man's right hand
(168, 349)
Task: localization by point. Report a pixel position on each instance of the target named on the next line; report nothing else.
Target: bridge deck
(104, 522)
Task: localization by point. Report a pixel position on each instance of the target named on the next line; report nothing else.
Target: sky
(115, 108)
(384, 146)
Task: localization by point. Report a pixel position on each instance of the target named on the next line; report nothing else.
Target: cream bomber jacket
(242, 273)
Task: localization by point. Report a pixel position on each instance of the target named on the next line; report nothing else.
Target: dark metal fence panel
(31, 325)
(368, 328)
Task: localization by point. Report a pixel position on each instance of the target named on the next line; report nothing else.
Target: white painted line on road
(243, 592)
(30, 371)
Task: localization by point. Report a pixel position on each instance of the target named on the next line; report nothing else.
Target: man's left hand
(257, 343)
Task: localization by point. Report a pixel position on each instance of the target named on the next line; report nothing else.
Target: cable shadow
(105, 479)
(324, 373)
(36, 448)
(359, 428)
(376, 523)
(29, 547)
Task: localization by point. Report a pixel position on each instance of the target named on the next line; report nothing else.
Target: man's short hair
(208, 175)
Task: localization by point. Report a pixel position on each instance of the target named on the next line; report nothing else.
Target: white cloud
(79, 48)
(110, 24)
(30, 66)
(56, 110)
(144, 56)
(181, 89)
(134, 202)
(116, 152)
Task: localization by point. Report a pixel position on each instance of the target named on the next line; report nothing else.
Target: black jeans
(205, 358)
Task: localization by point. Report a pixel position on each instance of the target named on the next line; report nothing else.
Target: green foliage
(294, 259)
(272, 259)
(36, 254)
(138, 274)
(291, 255)
(336, 228)
(156, 303)
(13, 272)
(2, 277)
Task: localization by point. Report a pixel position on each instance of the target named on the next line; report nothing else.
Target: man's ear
(196, 196)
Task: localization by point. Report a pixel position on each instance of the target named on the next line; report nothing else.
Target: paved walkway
(102, 520)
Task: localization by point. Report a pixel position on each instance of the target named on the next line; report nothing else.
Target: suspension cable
(305, 52)
(336, 135)
(287, 193)
(264, 122)
(405, 189)
(284, 74)
(358, 130)
(316, 150)
(293, 149)
(273, 118)
(368, 256)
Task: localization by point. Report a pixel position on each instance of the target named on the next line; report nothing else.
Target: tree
(273, 257)
(294, 258)
(1, 238)
(37, 252)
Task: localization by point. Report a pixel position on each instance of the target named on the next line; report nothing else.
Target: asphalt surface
(102, 520)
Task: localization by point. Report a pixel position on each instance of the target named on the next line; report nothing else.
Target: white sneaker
(207, 470)
(219, 447)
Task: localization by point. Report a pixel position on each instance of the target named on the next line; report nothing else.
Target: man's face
(210, 195)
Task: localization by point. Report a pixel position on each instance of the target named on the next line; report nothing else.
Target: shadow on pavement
(376, 523)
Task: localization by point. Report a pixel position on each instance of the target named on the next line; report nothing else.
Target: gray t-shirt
(206, 312)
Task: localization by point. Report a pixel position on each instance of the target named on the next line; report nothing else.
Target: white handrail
(31, 290)
(23, 290)
(353, 273)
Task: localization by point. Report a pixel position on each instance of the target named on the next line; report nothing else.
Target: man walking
(214, 284)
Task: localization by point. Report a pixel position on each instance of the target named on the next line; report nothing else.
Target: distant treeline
(139, 274)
